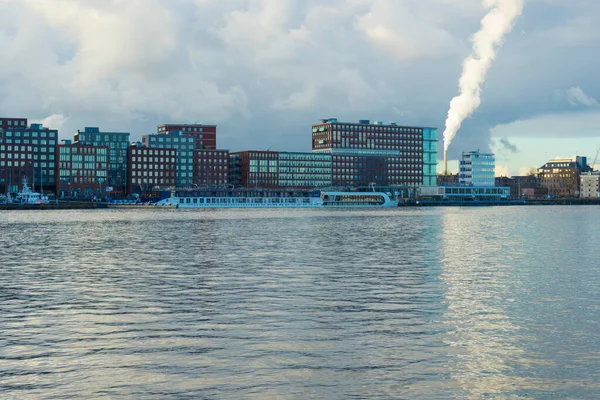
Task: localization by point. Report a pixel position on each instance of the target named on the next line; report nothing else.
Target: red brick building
(206, 135)
(211, 167)
(150, 167)
(81, 171)
(13, 123)
(16, 162)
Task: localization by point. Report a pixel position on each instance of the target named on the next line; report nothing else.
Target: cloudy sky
(265, 70)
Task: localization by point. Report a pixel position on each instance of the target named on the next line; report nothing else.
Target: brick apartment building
(16, 163)
(211, 167)
(151, 167)
(43, 143)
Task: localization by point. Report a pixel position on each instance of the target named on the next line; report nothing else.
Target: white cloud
(576, 96)
(502, 170)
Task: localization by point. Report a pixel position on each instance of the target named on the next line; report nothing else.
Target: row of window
(368, 128)
(306, 170)
(41, 142)
(184, 129)
(28, 156)
(142, 167)
(15, 122)
(153, 159)
(153, 173)
(154, 139)
(31, 134)
(90, 165)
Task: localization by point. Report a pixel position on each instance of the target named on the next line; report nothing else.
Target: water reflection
(489, 268)
(299, 304)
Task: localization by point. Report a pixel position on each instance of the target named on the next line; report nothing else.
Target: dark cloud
(507, 146)
(264, 71)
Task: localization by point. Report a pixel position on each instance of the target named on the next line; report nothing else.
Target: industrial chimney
(445, 162)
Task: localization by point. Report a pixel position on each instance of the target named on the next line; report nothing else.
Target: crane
(595, 159)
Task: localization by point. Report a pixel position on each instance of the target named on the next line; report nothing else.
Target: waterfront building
(562, 176)
(205, 135)
(43, 143)
(477, 169)
(211, 167)
(589, 185)
(184, 144)
(254, 169)
(304, 170)
(117, 143)
(150, 167)
(523, 187)
(81, 170)
(384, 154)
(464, 193)
(271, 169)
(16, 162)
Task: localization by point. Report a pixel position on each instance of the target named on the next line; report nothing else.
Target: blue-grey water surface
(301, 304)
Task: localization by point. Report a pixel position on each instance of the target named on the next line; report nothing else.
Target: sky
(265, 70)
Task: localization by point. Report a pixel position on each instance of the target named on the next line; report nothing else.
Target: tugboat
(28, 196)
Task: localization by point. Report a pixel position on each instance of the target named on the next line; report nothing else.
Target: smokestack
(445, 162)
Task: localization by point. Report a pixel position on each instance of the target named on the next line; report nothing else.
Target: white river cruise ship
(255, 198)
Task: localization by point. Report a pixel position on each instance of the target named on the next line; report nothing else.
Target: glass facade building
(304, 170)
(81, 170)
(117, 143)
(477, 169)
(270, 169)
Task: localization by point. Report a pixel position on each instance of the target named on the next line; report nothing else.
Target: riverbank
(61, 205)
(479, 203)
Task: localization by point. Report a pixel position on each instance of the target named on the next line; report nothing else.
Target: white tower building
(477, 169)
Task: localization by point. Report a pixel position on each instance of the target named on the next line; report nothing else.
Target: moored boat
(28, 196)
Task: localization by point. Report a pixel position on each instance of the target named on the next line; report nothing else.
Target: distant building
(150, 167)
(117, 143)
(43, 143)
(205, 135)
(589, 187)
(384, 154)
(562, 176)
(447, 180)
(211, 167)
(477, 169)
(81, 170)
(523, 187)
(184, 144)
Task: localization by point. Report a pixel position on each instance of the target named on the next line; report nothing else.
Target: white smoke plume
(494, 26)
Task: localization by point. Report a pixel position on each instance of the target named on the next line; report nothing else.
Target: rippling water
(298, 304)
